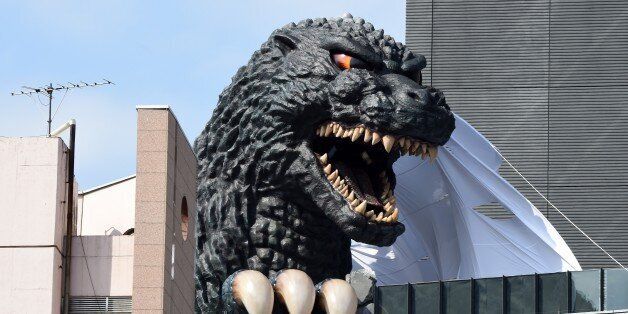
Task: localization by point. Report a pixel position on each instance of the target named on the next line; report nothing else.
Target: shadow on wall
(102, 265)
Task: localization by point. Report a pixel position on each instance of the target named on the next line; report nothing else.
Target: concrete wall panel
(166, 172)
(102, 266)
(30, 281)
(32, 186)
(33, 191)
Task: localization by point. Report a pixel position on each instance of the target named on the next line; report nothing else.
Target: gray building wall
(547, 82)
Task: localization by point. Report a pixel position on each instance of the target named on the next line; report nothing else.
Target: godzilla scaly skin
(265, 200)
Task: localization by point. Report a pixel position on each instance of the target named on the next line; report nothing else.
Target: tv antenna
(50, 89)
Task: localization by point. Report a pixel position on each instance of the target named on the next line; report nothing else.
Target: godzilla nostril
(413, 95)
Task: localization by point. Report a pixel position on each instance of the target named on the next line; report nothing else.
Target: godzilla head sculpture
(296, 160)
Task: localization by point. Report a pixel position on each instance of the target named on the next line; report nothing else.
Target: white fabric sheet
(446, 238)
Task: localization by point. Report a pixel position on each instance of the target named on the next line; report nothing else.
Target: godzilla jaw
(357, 161)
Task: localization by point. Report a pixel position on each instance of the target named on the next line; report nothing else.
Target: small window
(184, 219)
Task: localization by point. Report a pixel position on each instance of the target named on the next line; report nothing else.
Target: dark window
(184, 218)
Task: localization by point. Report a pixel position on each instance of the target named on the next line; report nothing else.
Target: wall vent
(100, 304)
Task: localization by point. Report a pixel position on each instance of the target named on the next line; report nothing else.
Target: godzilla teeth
(415, 148)
(333, 176)
(345, 191)
(376, 138)
(348, 133)
(328, 130)
(358, 205)
(368, 135)
(351, 196)
(356, 134)
(361, 208)
(379, 217)
(327, 169)
(433, 152)
(388, 207)
(339, 131)
(405, 145)
(388, 141)
(323, 159)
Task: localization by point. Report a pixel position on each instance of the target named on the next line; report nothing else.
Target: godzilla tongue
(359, 181)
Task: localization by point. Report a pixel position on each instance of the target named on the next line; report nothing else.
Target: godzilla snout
(418, 111)
(375, 120)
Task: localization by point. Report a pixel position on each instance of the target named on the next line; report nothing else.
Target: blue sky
(180, 53)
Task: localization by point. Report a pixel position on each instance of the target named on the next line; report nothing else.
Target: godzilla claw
(295, 291)
(247, 291)
(336, 296)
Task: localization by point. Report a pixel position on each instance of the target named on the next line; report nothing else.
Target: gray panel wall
(547, 83)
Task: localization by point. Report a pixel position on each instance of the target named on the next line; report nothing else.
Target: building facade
(133, 243)
(547, 82)
(33, 189)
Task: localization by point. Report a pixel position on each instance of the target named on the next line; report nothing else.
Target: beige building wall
(33, 192)
(163, 268)
(108, 209)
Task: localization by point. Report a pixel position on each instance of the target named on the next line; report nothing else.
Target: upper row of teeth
(406, 145)
(391, 214)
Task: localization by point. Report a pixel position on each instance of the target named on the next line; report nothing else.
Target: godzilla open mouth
(358, 163)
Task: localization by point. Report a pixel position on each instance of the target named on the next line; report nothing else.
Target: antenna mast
(49, 90)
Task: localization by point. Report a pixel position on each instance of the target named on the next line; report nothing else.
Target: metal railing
(566, 292)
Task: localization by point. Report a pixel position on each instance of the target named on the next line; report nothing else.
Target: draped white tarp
(446, 238)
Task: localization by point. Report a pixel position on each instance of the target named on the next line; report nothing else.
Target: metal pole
(472, 288)
(410, 296)
(49, 90)
(602, 283)
(440, 297)
(569, 307)
(69, 223)
(504, 304)
(537, 306)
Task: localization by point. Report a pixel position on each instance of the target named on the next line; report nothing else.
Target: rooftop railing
(567, 292)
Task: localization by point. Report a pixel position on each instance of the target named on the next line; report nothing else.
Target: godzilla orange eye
(342, 60)
(346, 62)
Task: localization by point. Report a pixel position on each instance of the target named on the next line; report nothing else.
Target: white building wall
(102, 266)
(33, 209)
(107, 210)
(30, 280)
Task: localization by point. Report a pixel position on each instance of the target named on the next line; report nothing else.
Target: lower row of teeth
(390, 214)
